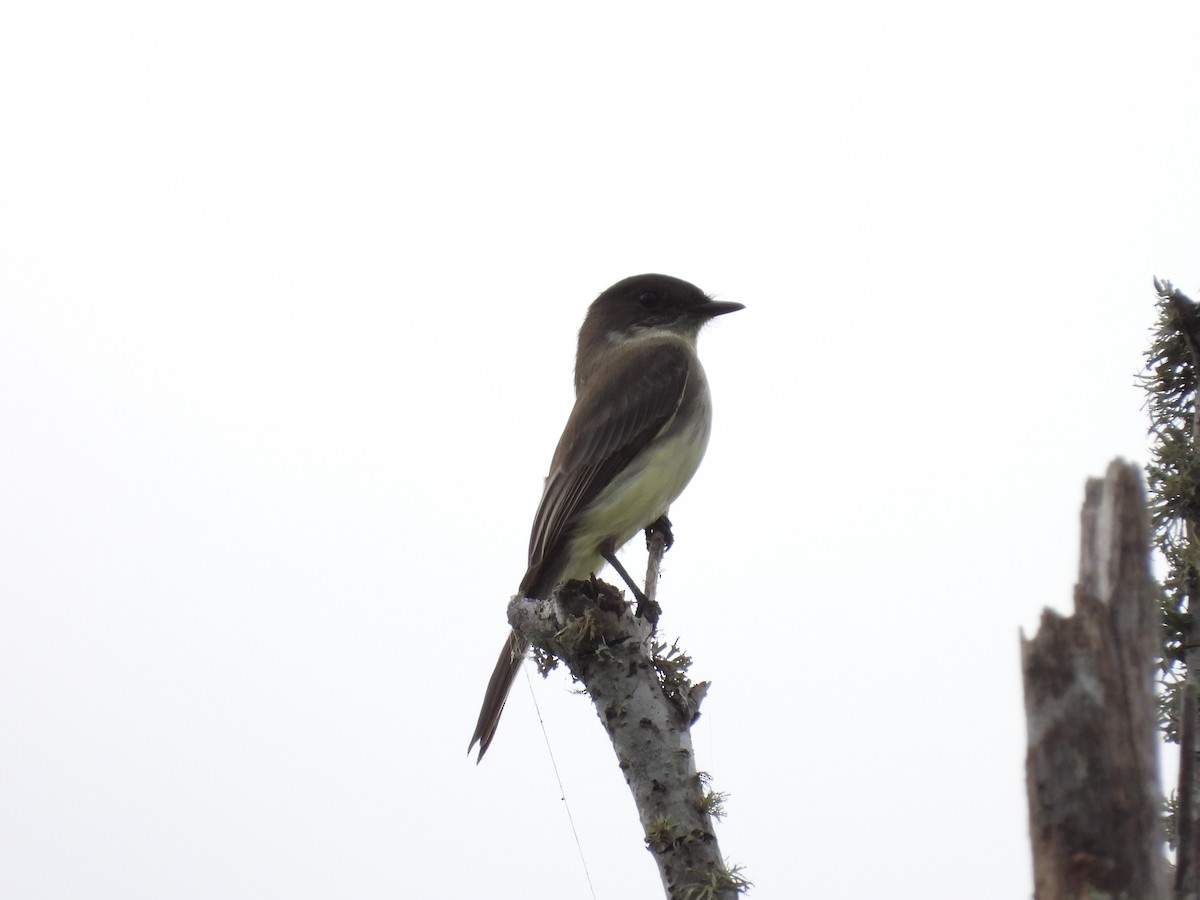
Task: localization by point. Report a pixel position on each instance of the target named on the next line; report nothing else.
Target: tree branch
(647, 706)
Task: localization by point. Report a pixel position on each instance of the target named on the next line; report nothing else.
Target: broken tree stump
(1092, 762)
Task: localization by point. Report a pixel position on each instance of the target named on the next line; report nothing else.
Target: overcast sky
(288, 302)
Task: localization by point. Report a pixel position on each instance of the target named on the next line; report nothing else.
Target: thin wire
(561, 790)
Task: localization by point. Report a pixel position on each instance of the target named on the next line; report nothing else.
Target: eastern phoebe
(632, 443)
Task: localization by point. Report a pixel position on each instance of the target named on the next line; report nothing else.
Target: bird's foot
(648, 609)
(661, 525)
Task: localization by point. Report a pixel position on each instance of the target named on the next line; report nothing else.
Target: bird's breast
(649, 484)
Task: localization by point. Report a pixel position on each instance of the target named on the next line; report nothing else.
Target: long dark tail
(507, 667)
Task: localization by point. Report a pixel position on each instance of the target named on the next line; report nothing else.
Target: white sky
(288, 300)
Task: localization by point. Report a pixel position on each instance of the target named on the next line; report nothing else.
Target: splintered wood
(1092, 763)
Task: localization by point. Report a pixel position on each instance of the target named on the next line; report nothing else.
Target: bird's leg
(611, 559)
(663, 526)
(646, 608)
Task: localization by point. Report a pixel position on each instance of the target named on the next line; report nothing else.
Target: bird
(633, 441)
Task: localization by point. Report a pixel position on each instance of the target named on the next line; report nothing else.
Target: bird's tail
(503, 675)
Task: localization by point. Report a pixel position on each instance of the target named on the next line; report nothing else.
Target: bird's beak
(720, 307)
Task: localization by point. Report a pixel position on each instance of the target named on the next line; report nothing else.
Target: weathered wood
(647, 707)
(1186, 882)
(1092, 763)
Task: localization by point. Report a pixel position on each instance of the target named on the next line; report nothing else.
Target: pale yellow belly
(642, 493)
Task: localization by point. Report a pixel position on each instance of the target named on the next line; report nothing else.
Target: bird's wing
(621, 410)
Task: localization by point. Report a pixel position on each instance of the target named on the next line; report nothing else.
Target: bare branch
(647, 705)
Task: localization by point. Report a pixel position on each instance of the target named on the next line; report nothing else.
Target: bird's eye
(649, 300)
